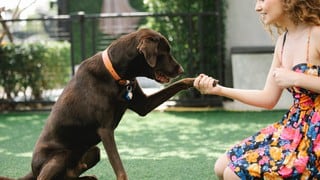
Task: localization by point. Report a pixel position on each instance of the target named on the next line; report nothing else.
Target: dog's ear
(149, 47)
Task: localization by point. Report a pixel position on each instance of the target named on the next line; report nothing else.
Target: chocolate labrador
(93, 102)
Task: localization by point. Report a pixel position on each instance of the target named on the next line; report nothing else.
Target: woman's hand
(285, 78)
(206, 84)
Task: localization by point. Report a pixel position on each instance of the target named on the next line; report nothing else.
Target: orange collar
(107, 63)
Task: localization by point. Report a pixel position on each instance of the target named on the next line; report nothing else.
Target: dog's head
(156, 52)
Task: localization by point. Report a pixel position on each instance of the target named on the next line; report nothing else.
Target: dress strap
(284, 41)
(308, 44)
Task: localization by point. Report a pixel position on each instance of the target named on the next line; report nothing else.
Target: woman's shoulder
(280, 41)
(315, 39)
(316, 31)
(315, 35)
(316, 28)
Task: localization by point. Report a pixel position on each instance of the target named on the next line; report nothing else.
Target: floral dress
(289, 148)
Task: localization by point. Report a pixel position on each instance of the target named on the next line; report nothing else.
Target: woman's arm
(287, 78)
(265, 98)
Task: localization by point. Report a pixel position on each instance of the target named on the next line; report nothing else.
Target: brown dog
(93, 102)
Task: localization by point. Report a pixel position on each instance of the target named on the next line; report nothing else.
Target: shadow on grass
(18, 134)
(162, 145)
(188, 134)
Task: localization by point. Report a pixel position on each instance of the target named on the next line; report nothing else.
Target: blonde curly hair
(300, 11)
(306, 11)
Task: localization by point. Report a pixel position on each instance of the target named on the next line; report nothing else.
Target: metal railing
(85, 37)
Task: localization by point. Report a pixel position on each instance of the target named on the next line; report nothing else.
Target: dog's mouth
(161, 78)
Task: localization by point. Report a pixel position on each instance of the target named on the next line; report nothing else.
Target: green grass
(162, 145)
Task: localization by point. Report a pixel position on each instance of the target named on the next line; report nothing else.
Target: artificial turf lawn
(159, 146)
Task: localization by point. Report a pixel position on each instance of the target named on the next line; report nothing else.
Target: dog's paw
(184, 83)
(188, 82)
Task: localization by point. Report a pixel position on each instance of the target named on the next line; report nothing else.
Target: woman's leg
(230, 175)
(220, 166)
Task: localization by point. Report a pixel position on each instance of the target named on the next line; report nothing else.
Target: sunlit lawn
(160, 146)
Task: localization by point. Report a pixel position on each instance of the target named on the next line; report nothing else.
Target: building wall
(243, 27)
(245, 31)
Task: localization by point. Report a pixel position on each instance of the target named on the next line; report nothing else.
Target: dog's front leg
(107, 137)
(144, 104)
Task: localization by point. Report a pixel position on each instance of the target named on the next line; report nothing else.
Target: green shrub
(58, 64)
(196, 36)
(38, 66)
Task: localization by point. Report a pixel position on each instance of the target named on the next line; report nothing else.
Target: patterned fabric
(288, 149)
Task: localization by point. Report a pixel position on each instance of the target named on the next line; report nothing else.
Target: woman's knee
(220, 165)
(229, 174)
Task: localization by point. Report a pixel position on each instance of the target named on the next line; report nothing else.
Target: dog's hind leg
(91, 157)
(88, 160)
(28, 177)
(87, 178)
(55, 168)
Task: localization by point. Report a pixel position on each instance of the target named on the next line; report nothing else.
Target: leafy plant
(196, 32)
(38, 66)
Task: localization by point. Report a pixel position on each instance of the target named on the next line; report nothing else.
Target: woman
(289, 148)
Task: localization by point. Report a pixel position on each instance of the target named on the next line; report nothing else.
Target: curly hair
(300, 11)
(305, 11)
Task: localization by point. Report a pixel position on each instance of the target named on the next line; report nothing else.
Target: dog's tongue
(162, 78)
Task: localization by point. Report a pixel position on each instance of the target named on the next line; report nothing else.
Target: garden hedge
(38, 66)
